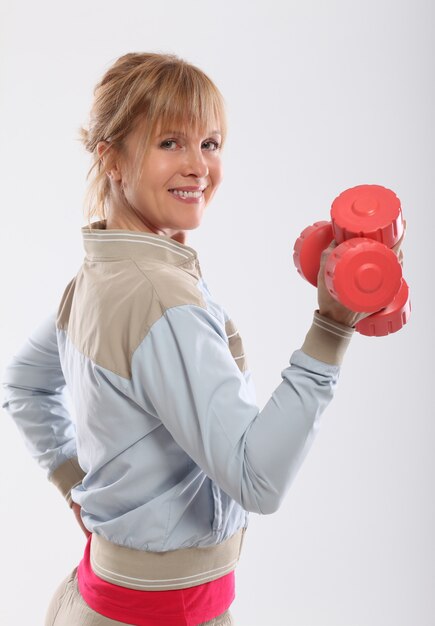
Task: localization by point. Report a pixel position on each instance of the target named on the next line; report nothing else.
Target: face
(174, 163)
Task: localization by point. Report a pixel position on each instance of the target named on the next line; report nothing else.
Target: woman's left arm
(34, 387)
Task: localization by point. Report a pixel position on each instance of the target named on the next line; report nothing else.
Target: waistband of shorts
(160, 571)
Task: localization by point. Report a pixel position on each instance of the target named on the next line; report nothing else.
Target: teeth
(187, 194)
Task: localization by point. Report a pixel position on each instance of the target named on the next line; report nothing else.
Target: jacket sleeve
(34, 396)
(185, 368)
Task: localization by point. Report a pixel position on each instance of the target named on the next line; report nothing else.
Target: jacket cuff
(68, 475)
(327, 340)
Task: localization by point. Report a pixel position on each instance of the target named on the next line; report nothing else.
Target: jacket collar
(102, 243)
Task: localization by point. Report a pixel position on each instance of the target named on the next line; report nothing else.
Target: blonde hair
(158, 89)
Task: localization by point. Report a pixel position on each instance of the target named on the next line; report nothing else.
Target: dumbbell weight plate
(363, 275)
(370, 211)
(308, 249)
(389, 320)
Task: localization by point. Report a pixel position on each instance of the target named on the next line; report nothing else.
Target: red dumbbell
(362, 272)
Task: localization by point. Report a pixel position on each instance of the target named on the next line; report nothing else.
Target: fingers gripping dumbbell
(362, 272)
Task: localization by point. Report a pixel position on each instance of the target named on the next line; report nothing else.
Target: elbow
(262, 491)
(261, 498)
(266, 506)
(9, 375)
(6, 389)
(271, 503)
(259, 492)
(269, 508)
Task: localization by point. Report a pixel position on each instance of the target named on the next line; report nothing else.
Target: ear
(107, 155)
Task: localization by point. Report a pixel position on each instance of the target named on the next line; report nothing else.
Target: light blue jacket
(135, 396)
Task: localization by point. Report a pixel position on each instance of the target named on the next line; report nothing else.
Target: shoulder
(107, 310)
(171, 285)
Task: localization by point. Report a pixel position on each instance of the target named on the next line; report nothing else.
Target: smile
(187, 196)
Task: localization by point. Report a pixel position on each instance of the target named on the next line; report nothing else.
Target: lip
(186, 189)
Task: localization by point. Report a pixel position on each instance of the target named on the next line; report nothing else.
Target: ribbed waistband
(159, 571)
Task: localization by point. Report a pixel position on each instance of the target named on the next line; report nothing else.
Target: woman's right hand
(77, 508)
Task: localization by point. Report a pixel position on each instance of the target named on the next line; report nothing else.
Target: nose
(195, 163)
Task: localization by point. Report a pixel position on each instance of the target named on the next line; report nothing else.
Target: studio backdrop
(320, 97)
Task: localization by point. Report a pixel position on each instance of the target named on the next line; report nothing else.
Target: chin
(193, 226)
(179, 230)
(189, 224)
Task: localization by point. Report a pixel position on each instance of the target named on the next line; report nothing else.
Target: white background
(321, 96)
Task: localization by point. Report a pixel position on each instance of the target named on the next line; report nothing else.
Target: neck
(132, 221)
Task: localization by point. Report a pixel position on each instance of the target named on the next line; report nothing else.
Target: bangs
(190, 102)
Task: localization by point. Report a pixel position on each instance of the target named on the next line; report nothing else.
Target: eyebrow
(177, 132)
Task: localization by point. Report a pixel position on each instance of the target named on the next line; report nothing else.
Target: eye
(215, 143)
(163, 144)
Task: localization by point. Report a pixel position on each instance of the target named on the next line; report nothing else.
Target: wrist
(348, 318)
(327, 340)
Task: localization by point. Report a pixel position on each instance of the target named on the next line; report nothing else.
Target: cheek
(157, 170)
(217, 173)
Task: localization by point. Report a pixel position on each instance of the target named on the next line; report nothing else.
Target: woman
(168, 451)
